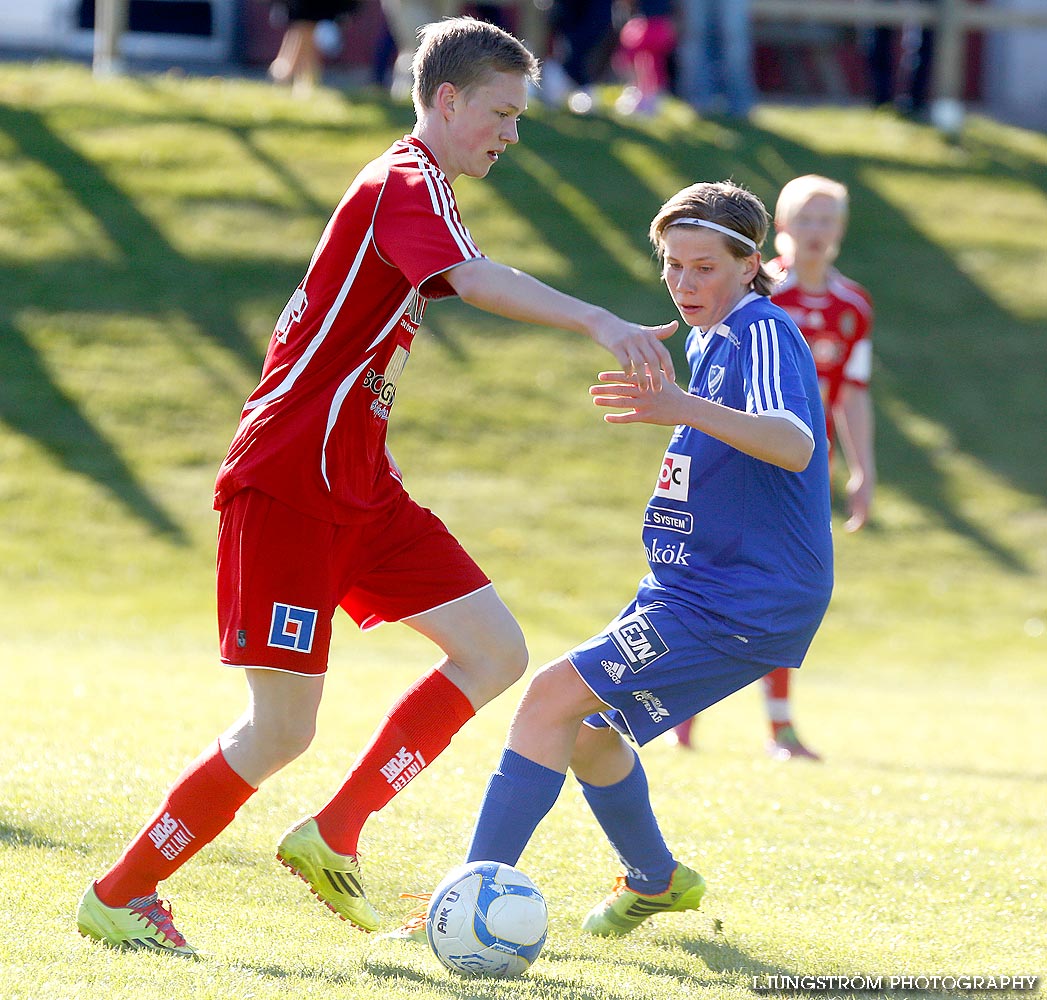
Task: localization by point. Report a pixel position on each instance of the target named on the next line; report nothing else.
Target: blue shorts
(655, 673)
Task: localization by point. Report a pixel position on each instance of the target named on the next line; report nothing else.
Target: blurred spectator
(715, 56)
(405, 18)
(646, 40)
(310, 32)
(582, 41)
(900, 66)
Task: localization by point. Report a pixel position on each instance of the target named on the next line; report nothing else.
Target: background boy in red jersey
(314, 515)
(835, 315)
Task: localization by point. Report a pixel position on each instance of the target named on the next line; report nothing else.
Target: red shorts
(281, 574)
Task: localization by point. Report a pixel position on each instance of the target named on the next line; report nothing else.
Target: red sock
(776, 696)
(413, 734)
(199, 806)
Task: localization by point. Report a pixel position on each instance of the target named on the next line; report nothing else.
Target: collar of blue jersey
(723, 328)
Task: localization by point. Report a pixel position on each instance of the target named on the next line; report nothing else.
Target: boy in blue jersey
(738, 540)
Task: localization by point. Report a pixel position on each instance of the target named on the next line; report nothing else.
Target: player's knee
(516, 658)
(506, 656)
(290, 739)
(559, 692)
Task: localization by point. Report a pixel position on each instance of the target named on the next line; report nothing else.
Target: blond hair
(465, 52)
(726, 205)
(795, 195)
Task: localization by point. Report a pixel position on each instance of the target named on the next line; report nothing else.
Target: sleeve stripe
(766, 367)
(444, 206)
(430, 183)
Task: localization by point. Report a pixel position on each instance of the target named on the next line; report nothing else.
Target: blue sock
(624, 813)
(518, 796)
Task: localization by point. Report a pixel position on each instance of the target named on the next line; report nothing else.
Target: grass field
(150, 232)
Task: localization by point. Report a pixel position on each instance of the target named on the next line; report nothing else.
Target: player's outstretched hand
(642, 399)
(639, 348)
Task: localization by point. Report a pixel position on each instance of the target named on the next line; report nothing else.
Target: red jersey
(837, 325)
(312, 434)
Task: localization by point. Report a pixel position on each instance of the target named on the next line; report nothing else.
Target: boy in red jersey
(835, 315)
(314, 515)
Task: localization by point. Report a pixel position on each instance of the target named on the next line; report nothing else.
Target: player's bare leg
(484, 645)
(277, 726)
(484, 653)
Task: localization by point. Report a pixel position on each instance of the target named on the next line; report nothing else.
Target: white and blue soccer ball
(487, 919)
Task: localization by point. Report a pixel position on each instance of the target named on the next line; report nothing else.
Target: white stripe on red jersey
(312, 434)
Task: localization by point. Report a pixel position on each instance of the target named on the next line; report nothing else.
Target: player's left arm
(768, 437)
(853, 416)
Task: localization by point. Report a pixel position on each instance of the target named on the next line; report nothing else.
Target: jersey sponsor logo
(671, 554)
(399, 770)
(652, 705)
(292, 314)
(170, 836)
(292, 627)
(673, 479)
(715, 380)
(614, 670)
(671, 520)
(638, 641)
(384, 385)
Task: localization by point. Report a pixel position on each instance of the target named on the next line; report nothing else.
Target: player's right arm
(765, 436)
(516, 295)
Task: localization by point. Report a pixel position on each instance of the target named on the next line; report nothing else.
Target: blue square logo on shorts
(638, 641)
(292, 628)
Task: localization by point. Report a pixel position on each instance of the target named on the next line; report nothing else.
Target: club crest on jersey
(674, 477)
(638, 641)
(292, 628)
(714, 382)
(292, 313)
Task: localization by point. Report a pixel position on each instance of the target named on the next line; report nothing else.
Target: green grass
(151, 230)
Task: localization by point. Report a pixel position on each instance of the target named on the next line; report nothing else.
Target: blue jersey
(742, 549)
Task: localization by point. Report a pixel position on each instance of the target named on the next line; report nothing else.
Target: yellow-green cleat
(624, 910)
(145, 924)
(333, 878)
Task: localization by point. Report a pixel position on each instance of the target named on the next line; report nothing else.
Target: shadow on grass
(25, 836)
(952, 771)
(592, 185)
(545, 984)
(149, 277)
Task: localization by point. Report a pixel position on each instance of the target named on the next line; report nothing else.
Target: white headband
(705, 223)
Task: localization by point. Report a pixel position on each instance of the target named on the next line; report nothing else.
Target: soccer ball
(487, 919)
